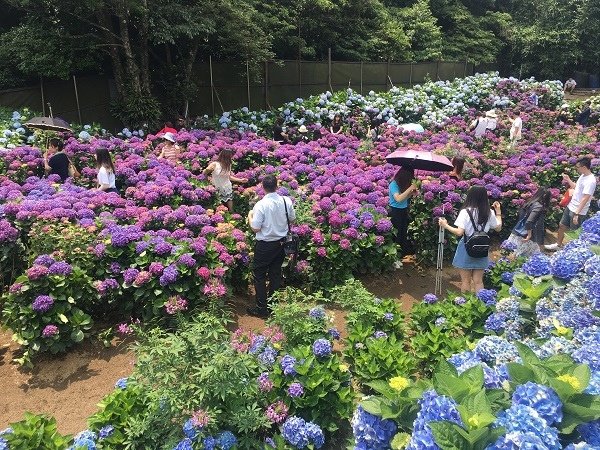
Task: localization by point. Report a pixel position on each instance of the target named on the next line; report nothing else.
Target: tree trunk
(131, 68)
(144, 50)
(113, 50)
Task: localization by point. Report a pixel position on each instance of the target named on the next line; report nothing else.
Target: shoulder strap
(286, 213)
(472, 221)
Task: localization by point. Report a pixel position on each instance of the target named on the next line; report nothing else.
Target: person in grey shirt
(268, 220)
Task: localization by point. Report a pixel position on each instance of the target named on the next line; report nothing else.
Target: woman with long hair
(400, 190)
(222, 177)
(458, 164)
(106, 171)
(475, 211)
(336, 125)
(529, 233)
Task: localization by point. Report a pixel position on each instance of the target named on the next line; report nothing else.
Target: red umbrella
(420, 160)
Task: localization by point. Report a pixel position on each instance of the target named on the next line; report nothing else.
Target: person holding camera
(269, 219)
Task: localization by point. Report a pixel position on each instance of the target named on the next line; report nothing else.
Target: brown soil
(70, 386)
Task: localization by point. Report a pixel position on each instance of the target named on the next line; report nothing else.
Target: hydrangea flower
(487, 296)
(537, 265)
(317, 313)
(590, 432)
(430, 298)
(226, 440)
(322, 348)
(42, 303)
(524, 419)
(301, 434)
(287, 365)
(372, 432)
(121, 383)
(541, 398)
(295, 390)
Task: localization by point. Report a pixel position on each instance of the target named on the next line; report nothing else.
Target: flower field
(513, 367)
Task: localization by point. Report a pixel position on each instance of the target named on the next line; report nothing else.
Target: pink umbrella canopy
(420, 160)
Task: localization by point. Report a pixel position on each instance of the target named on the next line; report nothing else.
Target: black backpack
(478, 244)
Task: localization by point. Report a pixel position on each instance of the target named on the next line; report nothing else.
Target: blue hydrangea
(496, 322)
(322, 348)
(209, 443)
(334, 333)
(190, 430)
(537, 265)
(589, 335)
(258, 342)
(514, 292)
(268, 356)
(121, 383)
(185, 444)
(317, 313)
(464, 361)
(494, 349)
(592, 265)
(106, 431)
(509, 307)
(594, 384)
(507, 277)
(433, 407)
(590, 432)
(592, 225)
(4, 442)
(569, 262)
(287, 365)
(556, 345)
(541, 398)
(518, 441)
(301, 434)
(86, 440)
(580, 446)
(487, 296)
(226, 440)
(372, 432)
(524, 419)
(494, 377)
(593, 289)
(588, 354)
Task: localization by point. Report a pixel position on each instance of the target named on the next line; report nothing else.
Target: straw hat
(303, 129)
(491, 113)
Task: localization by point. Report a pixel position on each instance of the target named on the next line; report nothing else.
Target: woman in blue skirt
(477, 203)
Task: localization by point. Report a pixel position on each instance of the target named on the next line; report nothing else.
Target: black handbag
(292, 241)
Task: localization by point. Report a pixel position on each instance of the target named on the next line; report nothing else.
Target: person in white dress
(222, 177)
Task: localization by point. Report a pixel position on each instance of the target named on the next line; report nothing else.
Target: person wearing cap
(170, 149)
(491, 119)
(269, 220)
(303, 136)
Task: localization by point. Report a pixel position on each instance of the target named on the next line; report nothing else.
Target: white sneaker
(398, 264)
(551, 247)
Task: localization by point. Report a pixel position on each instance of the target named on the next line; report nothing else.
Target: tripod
(440, 262)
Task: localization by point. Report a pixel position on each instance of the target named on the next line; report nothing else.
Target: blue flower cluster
(434, 407)
(372, 432)
(541, 398)
(569, 262)
(487, 296)
(268, 356)
(518, 440)
(496, 322)
(590, 432)
(592, 225)
(593, 289)
(322, 348)
(317, 313)
(86, 440)
(121, 383)
(287, 365)
(4, 442)
(301, 434)
(524, 419)
(537, 265)
(507, 277)
(592, 265)
(496, 350)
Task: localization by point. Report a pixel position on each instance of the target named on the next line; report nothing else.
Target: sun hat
(491, 113)
(303, 129)
(169, 137)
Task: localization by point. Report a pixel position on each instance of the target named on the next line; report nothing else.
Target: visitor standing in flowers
(477, 207)
(530, 231)
(278, 133)
(170, 150)
(579, 205)
(59, 163)
(336, 125)
(268, 220)
(222, 177)
(458, 164)
(516, 127)
(400, 189)
(106, 171)
(478, 125)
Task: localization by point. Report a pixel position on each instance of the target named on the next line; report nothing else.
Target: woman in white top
(106, 171)
(222, 177)
(478, 205)
(516, 127)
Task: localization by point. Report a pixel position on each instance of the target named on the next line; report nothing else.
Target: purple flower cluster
(50, 331)
(322, 348)
(430, 298)
(42, 303)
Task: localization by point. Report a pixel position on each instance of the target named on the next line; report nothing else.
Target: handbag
(291, 244)
(519, 228)
(73, 172)
(566, 199)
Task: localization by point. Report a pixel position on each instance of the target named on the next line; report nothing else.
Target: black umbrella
(48, 123)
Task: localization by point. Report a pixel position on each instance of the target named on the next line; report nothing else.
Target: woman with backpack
(474, 221)
(529, 232)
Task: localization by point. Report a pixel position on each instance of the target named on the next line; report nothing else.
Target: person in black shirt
(584, 116)
(59, 162)
(278, 134)
(336, 125)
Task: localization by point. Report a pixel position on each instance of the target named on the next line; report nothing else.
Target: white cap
(169, 137)
(303, 129)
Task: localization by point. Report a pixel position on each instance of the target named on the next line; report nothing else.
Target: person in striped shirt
(170, 149)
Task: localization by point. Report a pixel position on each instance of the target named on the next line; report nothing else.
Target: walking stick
(440, 262)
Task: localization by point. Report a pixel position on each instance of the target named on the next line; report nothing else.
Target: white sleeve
(589, 186)
(290, 208)
(493, 220)
(103, 176)
(258, 217)
(462, 220)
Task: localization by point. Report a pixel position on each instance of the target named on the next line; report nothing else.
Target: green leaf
(447, 438)
(520, 374)
(63, 318)
(77, 335)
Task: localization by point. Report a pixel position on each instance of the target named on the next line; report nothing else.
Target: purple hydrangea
(295, 390)
(42, 303)
(44, 260)
(60, 268)
(430, 298)
(334, 333)
(322, 348)
(169, 275)
(287, 365)
(50, 331)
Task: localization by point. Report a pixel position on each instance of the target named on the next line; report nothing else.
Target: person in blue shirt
(400, 191)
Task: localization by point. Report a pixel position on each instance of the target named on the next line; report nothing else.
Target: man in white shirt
(579, 205)
(268, 219)
(516, 127)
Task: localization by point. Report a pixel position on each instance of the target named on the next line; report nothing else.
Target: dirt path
(70, 386)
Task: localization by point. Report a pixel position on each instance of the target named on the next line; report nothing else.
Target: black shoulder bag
(292, 241)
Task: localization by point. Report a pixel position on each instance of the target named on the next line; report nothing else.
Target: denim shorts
(567, 219)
